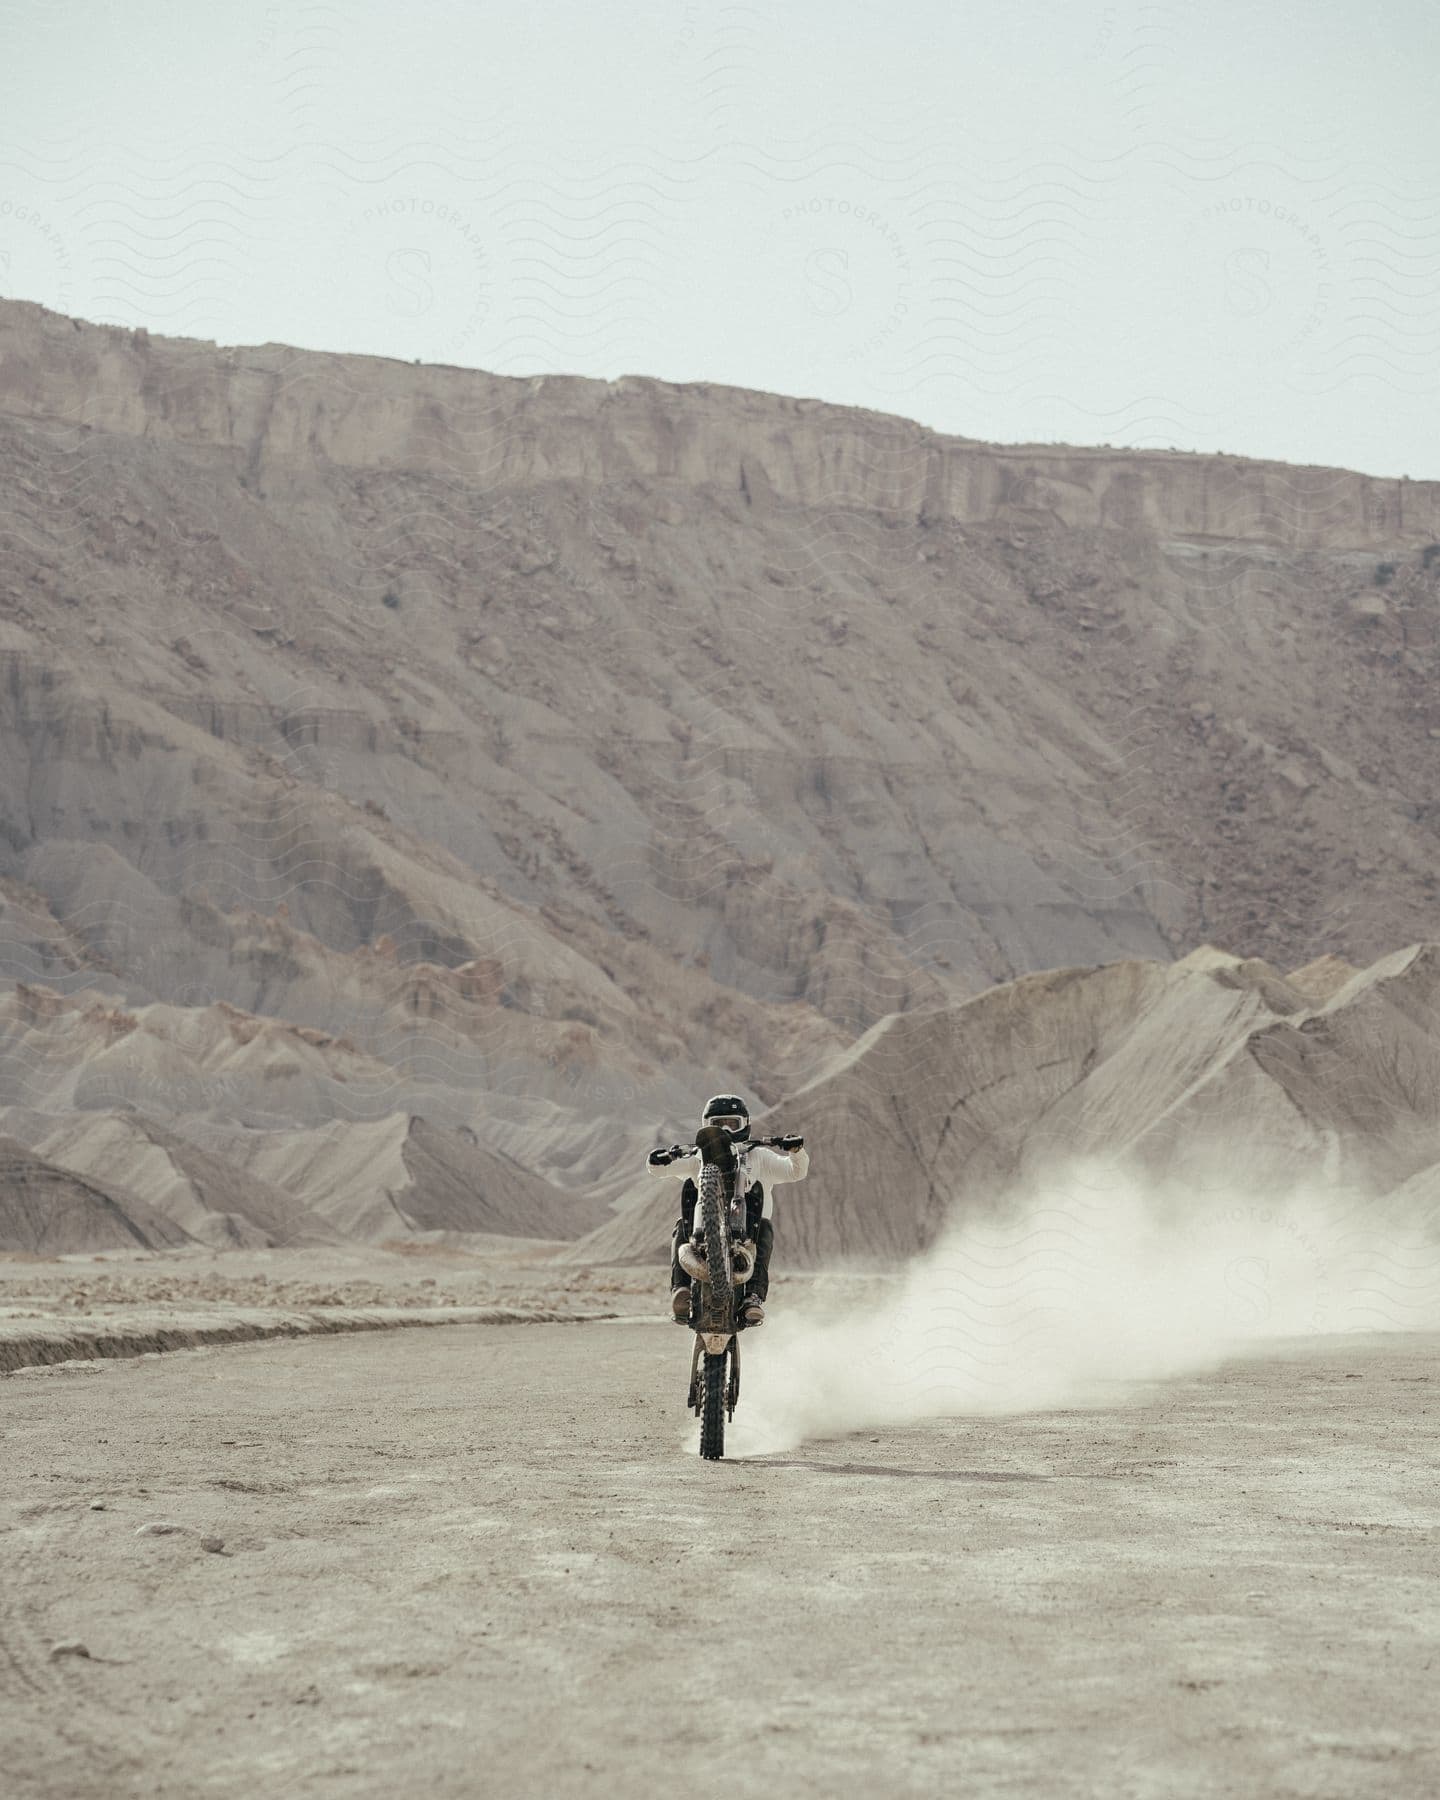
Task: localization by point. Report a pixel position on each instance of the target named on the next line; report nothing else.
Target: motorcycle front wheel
(712, 1405)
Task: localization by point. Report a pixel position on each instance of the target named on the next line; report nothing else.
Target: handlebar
(660, 1159)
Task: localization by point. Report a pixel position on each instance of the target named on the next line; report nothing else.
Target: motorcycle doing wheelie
(719, 1258)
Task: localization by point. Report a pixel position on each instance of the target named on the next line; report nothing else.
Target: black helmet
(730, 1111)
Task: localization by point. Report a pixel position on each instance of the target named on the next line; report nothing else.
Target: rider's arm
(680, 1167)
(775, 1166)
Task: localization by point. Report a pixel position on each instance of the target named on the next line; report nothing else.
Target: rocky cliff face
(273, 405)
(570, 749)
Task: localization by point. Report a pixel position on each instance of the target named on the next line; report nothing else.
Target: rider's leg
(758, 1286)
(678, 1277)
(764, 1244)
(679, 1280)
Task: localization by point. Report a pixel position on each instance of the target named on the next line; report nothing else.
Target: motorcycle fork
(732, 1386)
(694, 1401)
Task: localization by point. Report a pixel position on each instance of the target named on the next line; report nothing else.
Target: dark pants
(761, 1230)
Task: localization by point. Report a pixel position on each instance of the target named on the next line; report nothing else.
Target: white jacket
(758, 1162)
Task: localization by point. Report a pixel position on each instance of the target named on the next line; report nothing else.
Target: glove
(790, 1143)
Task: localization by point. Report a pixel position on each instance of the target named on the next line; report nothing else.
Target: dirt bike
(719, 1258)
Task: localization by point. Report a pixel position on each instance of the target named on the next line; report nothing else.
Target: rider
(760, 1168)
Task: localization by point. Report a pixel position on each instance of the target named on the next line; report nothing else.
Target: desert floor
(482, 1559)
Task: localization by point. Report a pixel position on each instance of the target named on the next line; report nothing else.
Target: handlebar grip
(659, 1158)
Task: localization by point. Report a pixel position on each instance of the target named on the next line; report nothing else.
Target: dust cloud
(1092, 1280)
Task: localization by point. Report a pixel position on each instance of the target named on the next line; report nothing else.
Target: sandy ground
(126, 1303)
(408, 1272)
(479, 1560)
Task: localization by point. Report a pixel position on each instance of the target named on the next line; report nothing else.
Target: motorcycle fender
(715, 1342)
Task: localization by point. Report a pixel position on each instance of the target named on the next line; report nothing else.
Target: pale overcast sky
(1212, 226)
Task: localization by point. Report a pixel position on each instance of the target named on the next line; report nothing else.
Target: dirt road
(470, 1560)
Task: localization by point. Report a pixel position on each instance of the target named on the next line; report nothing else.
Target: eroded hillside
(1211, 1080)
(563, 749)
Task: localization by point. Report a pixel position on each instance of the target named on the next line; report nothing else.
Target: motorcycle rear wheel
(717, 1240)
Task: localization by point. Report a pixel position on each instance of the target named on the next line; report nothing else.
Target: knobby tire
(717, 1245)
(718, 1272)
(712, 1419)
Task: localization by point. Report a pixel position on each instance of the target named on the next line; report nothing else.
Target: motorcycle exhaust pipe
(742, 1260)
